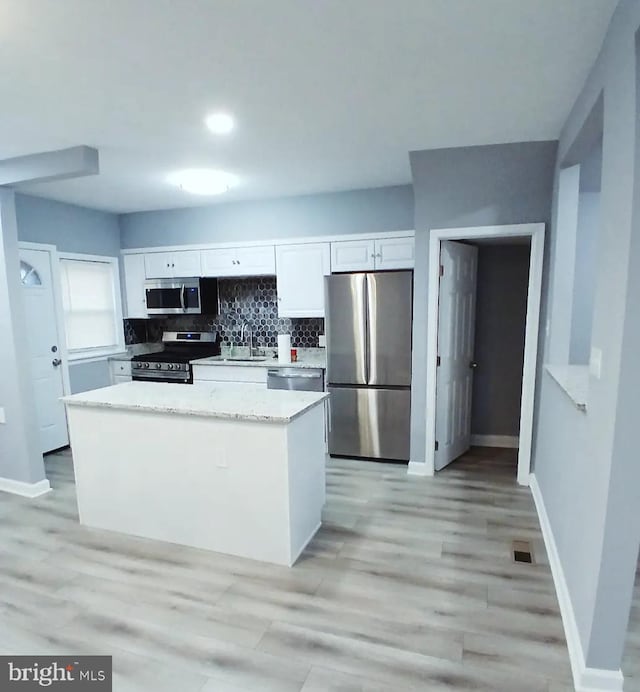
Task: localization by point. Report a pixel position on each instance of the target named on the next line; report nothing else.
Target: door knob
(56, 362)
(473, 365)
(54, 349)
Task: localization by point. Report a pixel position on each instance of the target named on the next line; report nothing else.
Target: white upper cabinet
(134, 276)
(395, 253)
(246, 261)
(353, 255)
(169, 265)
(300, 272)
(367, 255)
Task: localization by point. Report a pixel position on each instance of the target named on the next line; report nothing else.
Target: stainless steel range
(172, 364)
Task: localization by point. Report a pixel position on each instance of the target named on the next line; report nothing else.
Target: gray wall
(586, 463)
(501, 311)
(86, 376)
(71, 229)
(469, 186)
(20, 457)
(584, 286)
(356, 211)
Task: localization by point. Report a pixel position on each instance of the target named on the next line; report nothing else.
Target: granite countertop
(248, 403)
(307, 358)
(574, 381)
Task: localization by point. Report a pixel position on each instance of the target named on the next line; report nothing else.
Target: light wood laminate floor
(409, 585)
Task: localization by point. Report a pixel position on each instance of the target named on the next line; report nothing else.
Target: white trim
(584, 679)
(105, 351)
(30, 490)
(506, 441)
(536, 232)
(93, 357)
(279, 241)
(417, 468)
(296, 555)
(57, 299)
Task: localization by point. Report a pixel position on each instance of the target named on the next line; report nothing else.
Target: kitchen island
(234, 471)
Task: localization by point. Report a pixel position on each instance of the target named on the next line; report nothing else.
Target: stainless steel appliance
(296, 379)
(368, 328)
(172, 364)
(181, 296)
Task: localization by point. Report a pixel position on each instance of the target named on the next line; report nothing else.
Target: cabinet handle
(373, 255)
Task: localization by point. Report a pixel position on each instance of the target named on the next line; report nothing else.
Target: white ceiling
(328, 94)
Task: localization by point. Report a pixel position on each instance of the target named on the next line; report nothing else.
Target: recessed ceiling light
(203, 181)
(220, 123)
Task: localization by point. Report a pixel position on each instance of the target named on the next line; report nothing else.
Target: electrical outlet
(3, 418)
(322, 341)
(595, 362)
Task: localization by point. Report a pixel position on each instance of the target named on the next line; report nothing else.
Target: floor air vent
(522, 552)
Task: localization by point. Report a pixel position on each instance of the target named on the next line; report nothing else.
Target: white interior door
(44, 347)
(456, 330)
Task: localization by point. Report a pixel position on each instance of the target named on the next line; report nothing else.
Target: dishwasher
(296, 379)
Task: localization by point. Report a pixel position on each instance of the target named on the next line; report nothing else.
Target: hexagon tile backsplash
(251, 300)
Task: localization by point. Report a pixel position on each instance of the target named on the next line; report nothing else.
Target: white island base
(247, 485)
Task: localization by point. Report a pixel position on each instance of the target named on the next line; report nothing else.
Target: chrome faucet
(247, 332)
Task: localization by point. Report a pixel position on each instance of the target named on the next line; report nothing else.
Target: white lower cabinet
(231, 375)
(300, 272)
(120, 371)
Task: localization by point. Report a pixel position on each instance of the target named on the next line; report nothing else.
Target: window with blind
(90, 305)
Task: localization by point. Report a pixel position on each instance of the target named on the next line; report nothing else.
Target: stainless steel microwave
(181, 296)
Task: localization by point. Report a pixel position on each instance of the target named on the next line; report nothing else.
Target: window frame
(98, 352)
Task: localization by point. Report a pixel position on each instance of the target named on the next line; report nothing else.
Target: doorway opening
(451, 360)
(497, 357)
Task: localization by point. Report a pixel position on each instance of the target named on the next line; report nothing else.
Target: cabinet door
(120, 379)
(134, 276)
(158, 265)
(219, 262)
(186, 263)
(256, 261)
(395, 253)
(300, 272)
(353, 256)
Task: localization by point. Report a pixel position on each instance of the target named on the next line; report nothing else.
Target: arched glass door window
(28, 275)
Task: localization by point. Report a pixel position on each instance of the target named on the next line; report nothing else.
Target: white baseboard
(584, 679)
(25, 489)
(418, 468)
(507, 441)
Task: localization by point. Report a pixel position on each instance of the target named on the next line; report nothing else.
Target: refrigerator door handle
(366, 333)
(370, 329)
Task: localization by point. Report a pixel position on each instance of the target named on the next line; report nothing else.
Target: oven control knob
(158, 366)
(145, 365)
(170, 366)
(138, 365)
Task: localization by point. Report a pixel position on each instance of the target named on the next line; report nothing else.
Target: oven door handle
(182, 297)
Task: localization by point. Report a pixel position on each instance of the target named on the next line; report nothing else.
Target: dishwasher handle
(302, 375)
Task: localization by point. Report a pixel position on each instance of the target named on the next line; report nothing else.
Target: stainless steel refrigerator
(368, 328)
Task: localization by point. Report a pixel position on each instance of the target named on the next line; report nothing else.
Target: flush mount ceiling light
(220, 123)
(203, 181)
